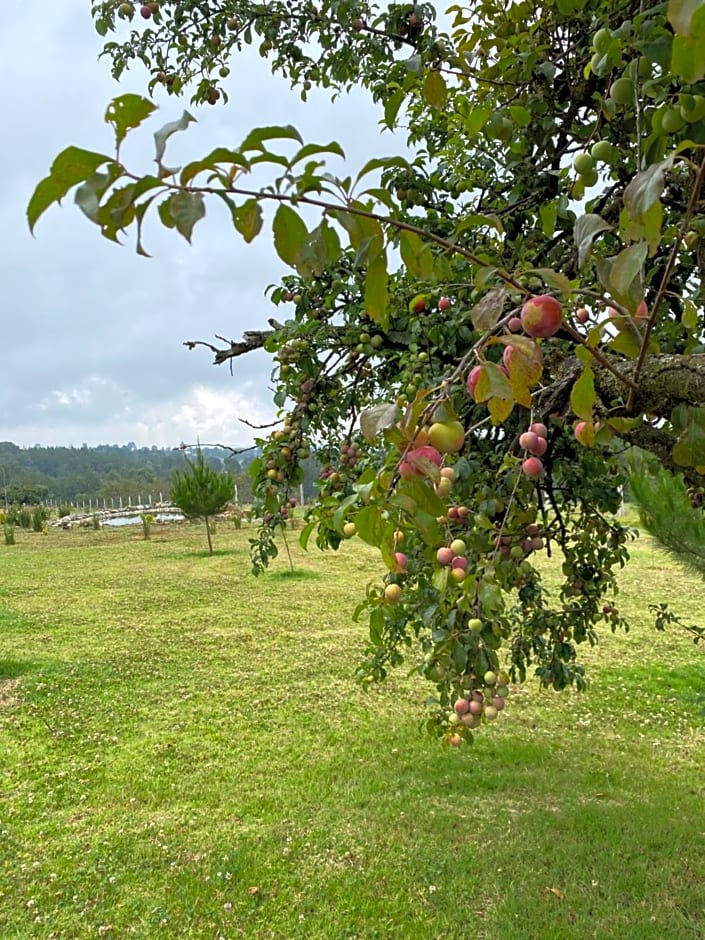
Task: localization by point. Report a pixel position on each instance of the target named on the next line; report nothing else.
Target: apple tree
(473, 332)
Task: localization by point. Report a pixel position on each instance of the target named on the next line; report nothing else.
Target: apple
(540, 447)
(457, 574)
(462, 706)
(528, 440)
(473, 379)
(475, 707)
(532, 467)
(444, 486)
(539, 429)
(490, 678)
(392, 593)
(475, 625)
(459, 562)
(447, 437)
(146, 12)
(491, 712)
(514, 324)
(455, 740)
(498, 702)
(417, 462)
(458, 547)
(541, 316)
(582, 315)
(448, 473)
(349, 529)
(444, 556)
(401, 560)
(444, 303)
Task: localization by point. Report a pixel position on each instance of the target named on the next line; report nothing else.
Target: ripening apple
(401, 560)
(444, 486)
(448, 473)
(462, 706)
(532, 467)
(455, 740)
(444, 303)
(475, 707)
(582, 315)
(447, 437)
(444, 556)
(538, 428)
(475, 625)
(498, 702)
(541, 316)
(349, 529)
(491, 712)
(457, 574)
(473, 379)
(458, 547)
(540, 447)
(416, 462)
(514, 324)
(392, 593)
(490, 678)
(459, 562)
(528, 440)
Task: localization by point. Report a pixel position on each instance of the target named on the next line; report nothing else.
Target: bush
(40, 514)
(9, 530)
(24, 518)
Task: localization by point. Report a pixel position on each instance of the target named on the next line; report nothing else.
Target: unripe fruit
(448, 473)
(458, 547)
(490, 678)
(444, 486)
(622, 91)
(584, 164)
(541, 316)
(514, 324)
(475, 625)
(532, 467)
(602, 151)
(491, 712)
(457, 574)
(392, 593)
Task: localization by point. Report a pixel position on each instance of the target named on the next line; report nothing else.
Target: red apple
(473, 379)
(532, 467)
(539, 429)
(444, 303)
(418, 462)
(514, 324)
(582, 315)
(444, 556)
(541, 316)
(528, 440)
(539, 448)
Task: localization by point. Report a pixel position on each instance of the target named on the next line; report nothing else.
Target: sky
(92, 334)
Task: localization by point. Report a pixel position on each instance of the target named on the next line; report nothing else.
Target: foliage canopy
(557, 152)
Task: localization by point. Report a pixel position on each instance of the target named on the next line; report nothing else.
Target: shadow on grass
(298, 574)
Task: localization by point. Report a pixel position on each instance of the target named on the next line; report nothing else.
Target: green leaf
(520, 115)
(476, 120)
(626, 267)
(370, 525)
(382, 163)
(548, 214)
(378, 418)
(681, 13)
(376, 295)
(416, 255)
(586, 228)
(257, 137)
(186, 209)
(71, 166)
(645, 188)
(127, 112)
(248, 219)
(689, 450)
(690, 314)
(553, 279)
(310, 150)
(434, 89)
(164, 133)
(89, 194)
(487, 311)
(221, 155)
(306, 533)
(582, 395)
(290, 233)
(688, 57)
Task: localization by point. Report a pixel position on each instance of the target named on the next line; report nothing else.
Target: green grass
(184, 753)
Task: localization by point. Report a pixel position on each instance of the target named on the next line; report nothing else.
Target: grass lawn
(184, 754)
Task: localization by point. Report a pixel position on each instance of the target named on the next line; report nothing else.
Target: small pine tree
(667, 512)
(201, 492)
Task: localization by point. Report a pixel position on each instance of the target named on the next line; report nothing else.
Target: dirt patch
(7, 692)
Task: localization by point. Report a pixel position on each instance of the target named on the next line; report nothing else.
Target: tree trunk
(208, 533)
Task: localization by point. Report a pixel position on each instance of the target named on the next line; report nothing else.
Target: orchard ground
(186, 753)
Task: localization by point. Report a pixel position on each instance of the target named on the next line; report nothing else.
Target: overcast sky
(92, 333)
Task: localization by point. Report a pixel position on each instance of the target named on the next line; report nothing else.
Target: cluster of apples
(534, 443)
(486, 703)
(520, 545)
(453, 556)
(429, 446)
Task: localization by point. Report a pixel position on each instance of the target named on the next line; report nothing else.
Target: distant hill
(75, 474)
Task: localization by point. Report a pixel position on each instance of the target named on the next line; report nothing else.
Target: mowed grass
(184, 753)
